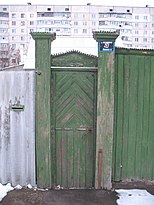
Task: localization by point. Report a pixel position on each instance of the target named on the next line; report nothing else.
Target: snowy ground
(126, 196)
(134, 197)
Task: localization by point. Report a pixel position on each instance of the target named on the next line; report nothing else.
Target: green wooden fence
(134, 115)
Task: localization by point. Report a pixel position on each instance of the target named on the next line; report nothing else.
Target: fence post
(105, 106)
(43, 106)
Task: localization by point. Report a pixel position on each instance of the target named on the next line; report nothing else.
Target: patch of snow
(4, 189)
(134, 197)
(18, 187)
(29, 186)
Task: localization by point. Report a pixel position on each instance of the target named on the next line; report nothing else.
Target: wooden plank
(119, 133)
(58, 158)
(151, 127)
(139, 129)
(145, 122)
(132, 116)
(126, 101)
(115, 120)
(70, 156)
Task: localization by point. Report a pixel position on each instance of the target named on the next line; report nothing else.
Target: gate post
(43, 107)
(105, 106)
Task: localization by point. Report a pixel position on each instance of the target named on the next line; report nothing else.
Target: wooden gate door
(73, 126)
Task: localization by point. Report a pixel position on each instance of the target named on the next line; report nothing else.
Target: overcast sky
(141, 3)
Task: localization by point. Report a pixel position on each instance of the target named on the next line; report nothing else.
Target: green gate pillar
(105, 108)
(43, 106)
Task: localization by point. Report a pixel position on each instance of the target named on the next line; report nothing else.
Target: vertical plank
(132, 115)
(151, 120)
(58, 158)
(139, 129)
(126, 101)
(145, 121)
(119, 125)
(70, 152)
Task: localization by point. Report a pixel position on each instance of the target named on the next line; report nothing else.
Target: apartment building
(136, 24)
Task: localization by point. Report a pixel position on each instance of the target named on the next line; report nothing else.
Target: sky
(140, 3)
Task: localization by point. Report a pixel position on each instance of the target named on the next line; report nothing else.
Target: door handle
(88, 129)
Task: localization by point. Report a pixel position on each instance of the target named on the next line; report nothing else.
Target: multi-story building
(136, 24)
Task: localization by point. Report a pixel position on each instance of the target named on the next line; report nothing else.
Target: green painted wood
(74, 108)
(43, 105)
(119, 116)
(74, 59)
(105, 110)
(136, 132)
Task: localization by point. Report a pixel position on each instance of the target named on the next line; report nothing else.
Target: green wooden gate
(73, 130)
(134, 115)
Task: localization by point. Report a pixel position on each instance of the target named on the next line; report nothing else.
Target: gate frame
(105, 109)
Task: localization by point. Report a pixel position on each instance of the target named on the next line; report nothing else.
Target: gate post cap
(105, 35)
(43, 35)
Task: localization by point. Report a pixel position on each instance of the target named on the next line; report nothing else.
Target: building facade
(136, 24)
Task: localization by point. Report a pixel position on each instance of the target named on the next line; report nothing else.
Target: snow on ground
(4, 189)
(134, 197)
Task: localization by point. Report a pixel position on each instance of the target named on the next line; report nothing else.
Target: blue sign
(105, 46)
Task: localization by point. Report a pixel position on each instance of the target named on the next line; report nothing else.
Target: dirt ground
(73, 197)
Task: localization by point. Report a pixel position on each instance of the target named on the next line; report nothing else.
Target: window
(13, 15)
(48, 9)
(31, 15)
(50, 29)
(152, 40)
(137, 17)
(152, 25)
(145, 18)
(5, 45)
(13, 38)
(145, 25)
(152, 17)
(22, 23)
(93, 23)
(31, 23)
(66, 9)
(84, 23)
(152, 32)
(136, 24)
(75, 30)
(14, 60)
(22, 15)
(84, 31)
(22, 45)
(22, 30)
(3, 30)
(136, 39)
(13, 30)
(31, 30)
(75, 23)
(22, 38)
(136, 32)
(145, 32)
(13, 45)
(101, 23)
(93, 16)
(13, 23)
(145, 40)
(83, 15)
(4, 9)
